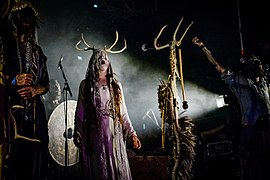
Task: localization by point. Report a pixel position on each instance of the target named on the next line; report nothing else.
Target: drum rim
(51, 118)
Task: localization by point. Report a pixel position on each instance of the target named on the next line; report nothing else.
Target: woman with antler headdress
(28, 79)
(102, 123)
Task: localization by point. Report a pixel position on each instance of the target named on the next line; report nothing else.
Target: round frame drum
(58, 133)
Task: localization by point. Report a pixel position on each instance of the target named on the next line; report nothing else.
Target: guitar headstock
(196, 41)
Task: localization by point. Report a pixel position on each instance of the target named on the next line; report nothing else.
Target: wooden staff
(174, 104)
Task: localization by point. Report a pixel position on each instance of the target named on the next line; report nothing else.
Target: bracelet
(14, 81)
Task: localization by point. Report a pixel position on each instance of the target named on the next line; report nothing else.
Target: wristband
(14, 81)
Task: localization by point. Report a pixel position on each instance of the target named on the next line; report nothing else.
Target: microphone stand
(66, 89)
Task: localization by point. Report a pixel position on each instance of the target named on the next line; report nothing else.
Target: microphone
(146, 48)
(68, 133)
(60, 63)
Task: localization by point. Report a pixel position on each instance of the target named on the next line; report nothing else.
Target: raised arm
(221, 69)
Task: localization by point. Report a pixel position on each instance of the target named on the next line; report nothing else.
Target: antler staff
(172, 46)
(173, 88)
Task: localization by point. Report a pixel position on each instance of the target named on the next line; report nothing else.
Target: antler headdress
(108, 50)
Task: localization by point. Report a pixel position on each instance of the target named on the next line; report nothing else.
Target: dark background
(216, 23)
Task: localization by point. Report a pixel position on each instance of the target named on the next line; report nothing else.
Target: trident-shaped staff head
(174, 41)
(173, 60)
(109, 50)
